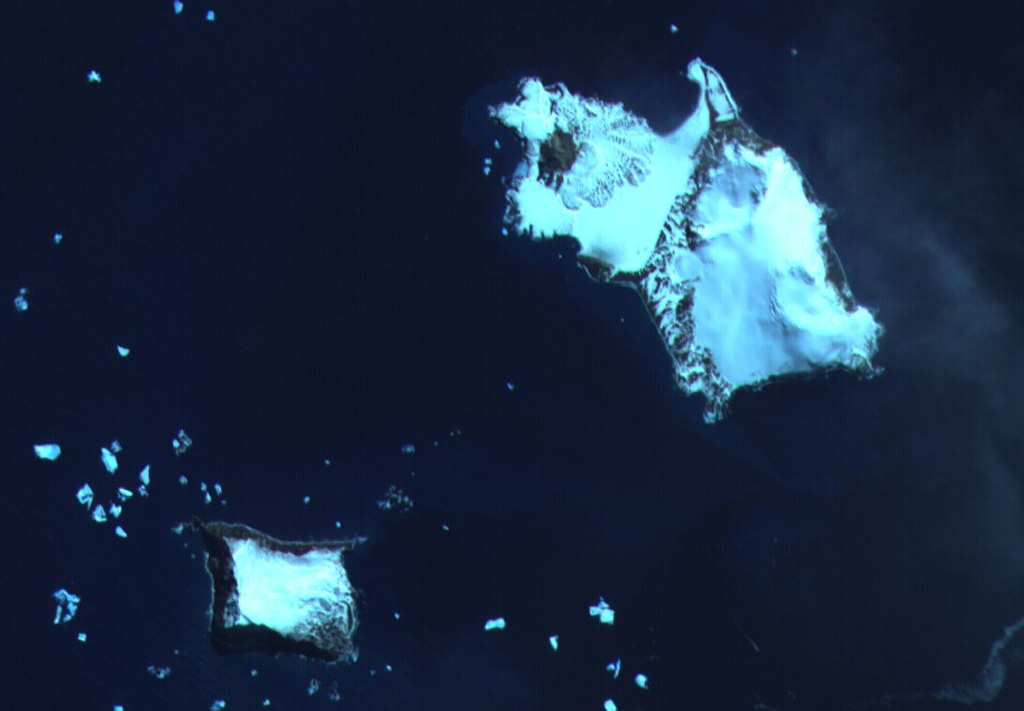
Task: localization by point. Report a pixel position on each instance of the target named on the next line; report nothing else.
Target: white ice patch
(67, 606)
(49, 452)
(287, 592)
(109, 459)
(181, 443)
(603, 612)
(716, 228)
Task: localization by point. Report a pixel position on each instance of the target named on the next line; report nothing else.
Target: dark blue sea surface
(283, 214)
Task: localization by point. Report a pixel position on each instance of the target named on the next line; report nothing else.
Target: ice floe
(49, 452)
(67, 606)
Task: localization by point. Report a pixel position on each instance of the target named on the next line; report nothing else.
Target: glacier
(716, 229)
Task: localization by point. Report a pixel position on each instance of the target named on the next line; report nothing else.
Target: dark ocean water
(283, 214)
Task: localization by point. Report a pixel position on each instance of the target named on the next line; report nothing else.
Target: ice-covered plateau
(716, 228)
(279, 597)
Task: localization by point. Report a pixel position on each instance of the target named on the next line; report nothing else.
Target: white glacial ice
(290, 593)
(716, 228)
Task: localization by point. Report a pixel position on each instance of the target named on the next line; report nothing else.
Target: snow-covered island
(716, 228)
(279, 597)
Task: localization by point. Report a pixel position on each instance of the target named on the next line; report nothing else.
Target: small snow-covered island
(715, 227)
(279, 597)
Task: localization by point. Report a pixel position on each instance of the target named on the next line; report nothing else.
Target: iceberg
(497, 623)
(21, 300)
(67, 606)
(109, 459)
(716, 229)
(181, 443)
(85, 496)
(279, 597)
(603, 611)
(49, 452)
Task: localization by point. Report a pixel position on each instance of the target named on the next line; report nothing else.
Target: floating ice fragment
(510, 385)
(253, 672)
(603, 612)
(609, 705)
(159, 672)
(82, 637)
(115, 446)
(121, 532)
(178, 7)
(94, 77)
(641, 680)
(207, 498)
(143, 491)
(183, 480)
(124, 494)
(144, 475)
(266, 702)
(218, 705)
(57, 238)
(673, 29)
(398, 616)
(218, 489)
(327, 462)
(793, 51)
(387, 667)
(614, 668)
(47, 451)
(123, 352)
(98, 514)
(181, 443)
(114, 510)
(497, 623)
(553, 641)
(20, 301)
(202, 486)
(444, 527)
(109, 459)
(314, 686)
(67, 606)
(394, 498)
(119, 708)
(210, 16)
(409, 448)
(306, 500)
